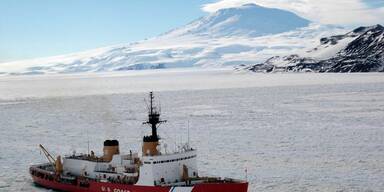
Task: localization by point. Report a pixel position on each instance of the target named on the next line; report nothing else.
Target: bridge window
(171, 160)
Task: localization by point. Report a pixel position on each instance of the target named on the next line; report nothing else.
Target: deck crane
(58, 166)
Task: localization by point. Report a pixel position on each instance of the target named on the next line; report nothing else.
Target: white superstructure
(169, 168)
(121, 167)
(149, 170)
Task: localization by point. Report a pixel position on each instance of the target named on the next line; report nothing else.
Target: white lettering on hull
(120, 190)
(108, 189)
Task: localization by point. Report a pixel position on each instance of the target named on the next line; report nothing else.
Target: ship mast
(153, 120)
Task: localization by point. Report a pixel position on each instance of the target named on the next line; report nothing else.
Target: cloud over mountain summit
(341, 12)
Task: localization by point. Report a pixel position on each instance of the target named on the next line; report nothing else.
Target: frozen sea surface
(292, 132)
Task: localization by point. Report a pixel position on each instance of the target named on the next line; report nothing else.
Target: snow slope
(242, 35)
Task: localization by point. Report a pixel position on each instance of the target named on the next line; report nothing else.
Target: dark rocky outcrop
(365, 53)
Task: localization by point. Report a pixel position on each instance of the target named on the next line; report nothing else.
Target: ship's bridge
(168, 168)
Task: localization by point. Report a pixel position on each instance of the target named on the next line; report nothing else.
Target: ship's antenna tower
(151, 142)
(153, 119)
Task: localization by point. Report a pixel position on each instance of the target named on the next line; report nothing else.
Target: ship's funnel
(111, 147)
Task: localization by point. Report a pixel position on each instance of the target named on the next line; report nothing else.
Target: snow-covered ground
(293, 132)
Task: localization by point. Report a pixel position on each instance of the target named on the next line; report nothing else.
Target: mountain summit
(250, 19)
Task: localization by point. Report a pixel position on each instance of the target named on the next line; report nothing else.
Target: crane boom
(48, 155)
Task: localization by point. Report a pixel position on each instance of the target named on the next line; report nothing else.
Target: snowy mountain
(361, 50)
(250, 19)
(244, 35)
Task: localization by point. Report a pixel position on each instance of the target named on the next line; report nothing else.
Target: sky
(41, 28)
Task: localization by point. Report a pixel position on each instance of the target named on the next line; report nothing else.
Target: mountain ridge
(363, 51)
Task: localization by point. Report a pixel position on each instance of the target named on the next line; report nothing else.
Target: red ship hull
(95, 186)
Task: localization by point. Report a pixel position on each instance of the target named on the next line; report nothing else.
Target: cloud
(341, 12)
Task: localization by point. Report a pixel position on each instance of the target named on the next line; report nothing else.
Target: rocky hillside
(361, 50)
